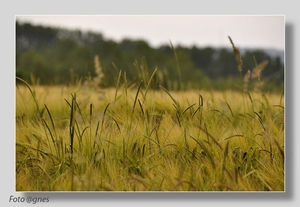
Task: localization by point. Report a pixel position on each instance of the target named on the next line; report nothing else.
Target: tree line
(60, 56)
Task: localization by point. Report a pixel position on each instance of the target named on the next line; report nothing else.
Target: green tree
(202, 58)
(33, 63)
(34, 37)
(224, 65)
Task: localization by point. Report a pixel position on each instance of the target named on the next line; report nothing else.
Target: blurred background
(62, 50)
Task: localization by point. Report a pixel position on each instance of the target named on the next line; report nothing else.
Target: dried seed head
(247, 77)
(238, 55)
(256, 72)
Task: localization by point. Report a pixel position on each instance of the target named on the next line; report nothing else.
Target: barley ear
(247, 77)
(238, 55)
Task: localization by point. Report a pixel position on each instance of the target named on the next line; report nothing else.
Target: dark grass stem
(177, 65)
(32, 92)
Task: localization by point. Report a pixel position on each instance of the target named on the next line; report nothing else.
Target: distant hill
(276, 53)
(273, 53)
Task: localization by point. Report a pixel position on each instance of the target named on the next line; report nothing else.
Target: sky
(253, 31)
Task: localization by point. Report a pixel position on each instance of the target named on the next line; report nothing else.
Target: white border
(212, 7)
